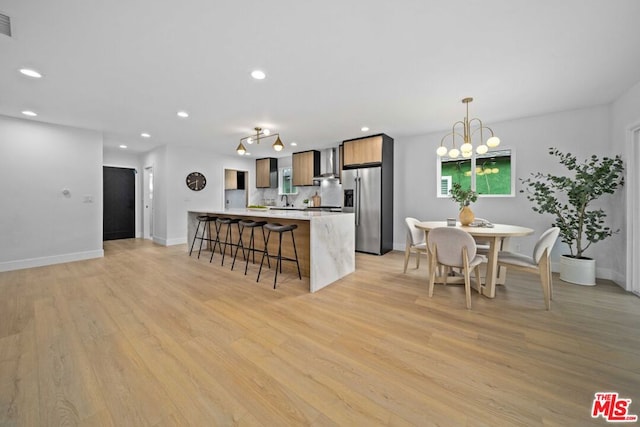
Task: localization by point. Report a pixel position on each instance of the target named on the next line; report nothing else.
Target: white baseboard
(159, 240)
(49, 260)
(170, 242)
(177, 241)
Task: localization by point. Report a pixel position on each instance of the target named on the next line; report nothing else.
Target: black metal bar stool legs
(227, 236)
(205, 221)
(280, 229)
(251, 246)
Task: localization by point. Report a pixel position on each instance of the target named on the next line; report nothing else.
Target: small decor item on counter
(451, 222)
(306, 202)
(464, 198)
(257, 208)
(316, 200)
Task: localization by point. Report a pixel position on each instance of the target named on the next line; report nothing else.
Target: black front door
(119, 190)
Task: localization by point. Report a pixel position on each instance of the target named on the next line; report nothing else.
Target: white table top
(501, 230)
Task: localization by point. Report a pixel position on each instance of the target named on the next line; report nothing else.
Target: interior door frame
(135, 197)
(633, 209)
(147, 212)
(224, 185)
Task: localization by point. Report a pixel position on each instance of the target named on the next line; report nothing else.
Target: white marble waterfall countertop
(331, 242)
(303, 215)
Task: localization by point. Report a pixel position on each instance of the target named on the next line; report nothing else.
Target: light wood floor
(150, 336)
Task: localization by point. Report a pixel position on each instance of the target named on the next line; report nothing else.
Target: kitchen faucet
(285, 198)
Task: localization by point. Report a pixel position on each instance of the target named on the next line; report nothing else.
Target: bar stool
(280, 229)
(227, 236)
(252, 247)
(206, 221)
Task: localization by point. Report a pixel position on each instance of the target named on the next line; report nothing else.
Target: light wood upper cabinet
(267, 173)
(305, 165)
(230, 179)
(362, 151)
(234, 179)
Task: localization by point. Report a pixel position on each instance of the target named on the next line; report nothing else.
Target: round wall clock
(196, 181)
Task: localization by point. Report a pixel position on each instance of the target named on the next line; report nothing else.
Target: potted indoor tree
(568, 199)
(464, 197)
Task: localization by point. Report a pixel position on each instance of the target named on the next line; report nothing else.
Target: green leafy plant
(568, 197)
(464, 197)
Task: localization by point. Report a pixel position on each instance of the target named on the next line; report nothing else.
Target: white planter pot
(578, 271)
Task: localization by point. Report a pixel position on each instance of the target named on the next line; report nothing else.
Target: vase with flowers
(464, 197)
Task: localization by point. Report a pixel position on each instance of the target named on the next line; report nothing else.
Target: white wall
(39, 225)
(121, 158)
(582, 132)
(157, 159)
(176, 198)
(625, 114)
(235, 199)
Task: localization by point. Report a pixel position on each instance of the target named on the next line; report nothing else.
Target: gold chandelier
(260, 134)
(466, 149)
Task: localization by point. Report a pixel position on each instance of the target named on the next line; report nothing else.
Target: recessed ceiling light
(31, 73)
(145, 135)
(29, 113)
(258, 74)
(183, 114)
(364, 128)
(247, 153)
(294, 144)
(123, 146)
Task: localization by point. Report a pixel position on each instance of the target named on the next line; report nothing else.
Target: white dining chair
(538, 263)
(452, 247)
(416, 242)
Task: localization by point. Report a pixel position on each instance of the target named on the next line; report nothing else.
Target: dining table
(494, 234)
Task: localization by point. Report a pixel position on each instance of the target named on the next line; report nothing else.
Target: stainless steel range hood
(328, 165)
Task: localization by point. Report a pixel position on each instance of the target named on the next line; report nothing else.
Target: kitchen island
(325, 241)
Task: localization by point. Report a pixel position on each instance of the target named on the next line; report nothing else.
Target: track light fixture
(260, 134)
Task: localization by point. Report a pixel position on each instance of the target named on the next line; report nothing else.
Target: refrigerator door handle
(358, 192)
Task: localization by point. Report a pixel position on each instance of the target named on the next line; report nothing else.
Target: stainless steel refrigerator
(369, 195)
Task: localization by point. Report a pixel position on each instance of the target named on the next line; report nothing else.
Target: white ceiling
(399, 67)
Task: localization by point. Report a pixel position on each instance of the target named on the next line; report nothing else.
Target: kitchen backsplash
(330, 192)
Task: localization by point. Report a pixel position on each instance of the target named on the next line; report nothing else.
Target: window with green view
(491, 173)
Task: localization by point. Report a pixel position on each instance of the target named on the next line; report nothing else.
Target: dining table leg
(489, 288)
